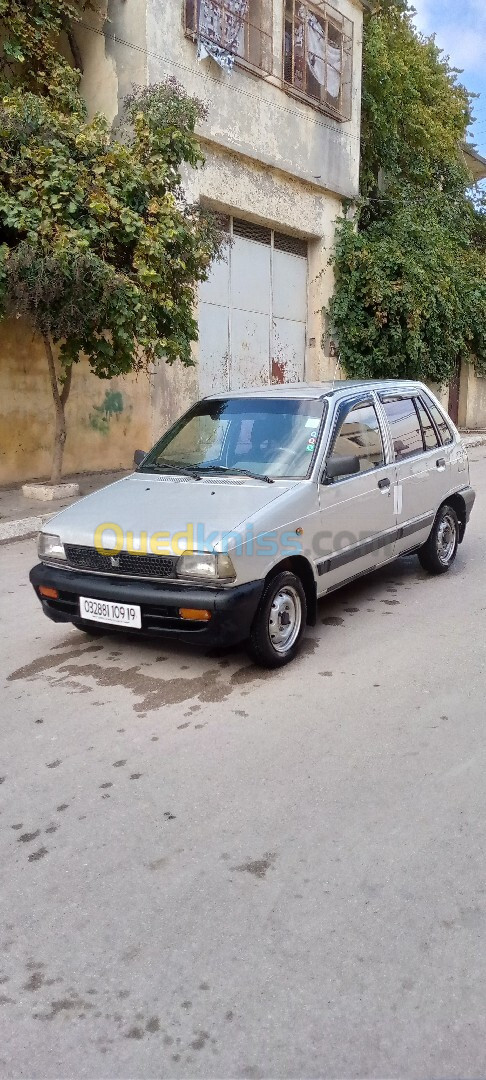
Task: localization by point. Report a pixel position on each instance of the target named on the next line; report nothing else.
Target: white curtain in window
(324, 63)
(220, 26)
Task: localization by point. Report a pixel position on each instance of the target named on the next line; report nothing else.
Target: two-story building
(281, 80)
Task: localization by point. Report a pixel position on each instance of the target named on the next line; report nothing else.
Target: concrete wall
(113, 51)
(255, 116)
(472, 399)
(107, 420)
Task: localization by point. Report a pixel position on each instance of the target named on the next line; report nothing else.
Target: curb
(22, 529)
(474, 440)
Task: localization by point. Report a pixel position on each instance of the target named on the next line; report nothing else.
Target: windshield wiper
(237, 472)
(179, 470)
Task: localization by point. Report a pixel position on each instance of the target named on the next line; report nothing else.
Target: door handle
(440, 463)
(384, 484)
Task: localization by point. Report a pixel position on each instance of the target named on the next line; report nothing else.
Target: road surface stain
(211, 685)
(258, 867)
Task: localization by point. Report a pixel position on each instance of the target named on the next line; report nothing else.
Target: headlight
(199, 565)
(50, 547)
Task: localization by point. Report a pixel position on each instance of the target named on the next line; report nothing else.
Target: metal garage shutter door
(253, 312)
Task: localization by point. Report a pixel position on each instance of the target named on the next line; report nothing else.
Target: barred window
(318, 53)
(229, 30)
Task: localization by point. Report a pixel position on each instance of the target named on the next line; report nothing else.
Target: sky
(460, 29)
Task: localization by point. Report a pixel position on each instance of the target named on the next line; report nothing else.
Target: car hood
(151, 504)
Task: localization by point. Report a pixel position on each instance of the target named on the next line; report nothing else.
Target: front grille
(148, 566)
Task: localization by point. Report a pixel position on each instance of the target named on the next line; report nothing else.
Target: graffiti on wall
(101, 416)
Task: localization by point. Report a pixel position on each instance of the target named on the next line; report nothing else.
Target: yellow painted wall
(106, 420)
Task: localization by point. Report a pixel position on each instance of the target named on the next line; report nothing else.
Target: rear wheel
(438, 554)
(279, 622)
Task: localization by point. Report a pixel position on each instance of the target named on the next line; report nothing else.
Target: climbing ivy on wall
(31, 53)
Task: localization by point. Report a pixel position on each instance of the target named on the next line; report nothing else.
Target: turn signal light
(196, 614)
(52, 594)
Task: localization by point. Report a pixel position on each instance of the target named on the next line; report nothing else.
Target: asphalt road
(212, 871)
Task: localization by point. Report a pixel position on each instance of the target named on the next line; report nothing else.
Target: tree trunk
(60, 397)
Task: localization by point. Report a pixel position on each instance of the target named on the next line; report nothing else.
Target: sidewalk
(21, 518)
(473, 438)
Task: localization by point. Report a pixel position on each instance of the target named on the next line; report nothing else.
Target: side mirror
(138, 457)
(340, 466)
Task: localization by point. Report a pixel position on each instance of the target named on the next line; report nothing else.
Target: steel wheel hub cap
(446, 538)
(285, 619)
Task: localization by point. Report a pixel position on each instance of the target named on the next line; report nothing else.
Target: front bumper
(232, 609)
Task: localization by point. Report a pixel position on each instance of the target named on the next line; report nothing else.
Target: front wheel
(279, 622)
(438, 553)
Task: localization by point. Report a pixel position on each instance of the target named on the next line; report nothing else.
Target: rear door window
(405, 426)
(430, 435)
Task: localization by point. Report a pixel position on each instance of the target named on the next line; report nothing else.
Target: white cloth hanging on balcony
(220, 25)
(324, 60)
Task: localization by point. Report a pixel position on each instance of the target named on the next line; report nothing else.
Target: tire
(279, 622)
(438, 554)
(89, 628)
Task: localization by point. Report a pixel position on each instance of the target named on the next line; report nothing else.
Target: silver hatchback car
(253, 506)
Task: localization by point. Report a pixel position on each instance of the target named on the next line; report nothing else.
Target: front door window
(360, 436)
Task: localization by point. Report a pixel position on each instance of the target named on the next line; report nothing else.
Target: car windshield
(267, 437)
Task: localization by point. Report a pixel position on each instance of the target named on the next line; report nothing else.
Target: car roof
(315, 390)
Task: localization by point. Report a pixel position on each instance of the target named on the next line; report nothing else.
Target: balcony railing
(233, 30)
(318, 53)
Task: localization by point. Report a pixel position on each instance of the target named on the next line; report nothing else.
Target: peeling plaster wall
(107, 420)
(111, 68)
(254, 116)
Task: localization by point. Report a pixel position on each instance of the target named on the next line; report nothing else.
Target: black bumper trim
(375, 543)
(469, 495)
(233, 609)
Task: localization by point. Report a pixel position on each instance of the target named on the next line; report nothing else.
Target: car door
(423, 466)
(356, 512)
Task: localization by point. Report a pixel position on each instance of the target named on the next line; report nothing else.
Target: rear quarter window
(431, 438)
(443, 428)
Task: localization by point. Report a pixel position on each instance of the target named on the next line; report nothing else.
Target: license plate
(105, 611)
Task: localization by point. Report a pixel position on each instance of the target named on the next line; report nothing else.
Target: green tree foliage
(410, 295)
(99, 249)
(30, 53)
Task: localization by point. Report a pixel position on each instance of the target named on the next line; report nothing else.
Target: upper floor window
(229, 30)
(318, 45)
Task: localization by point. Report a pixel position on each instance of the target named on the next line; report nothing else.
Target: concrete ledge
(48, 492)
(21, 528)
(474, 439)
